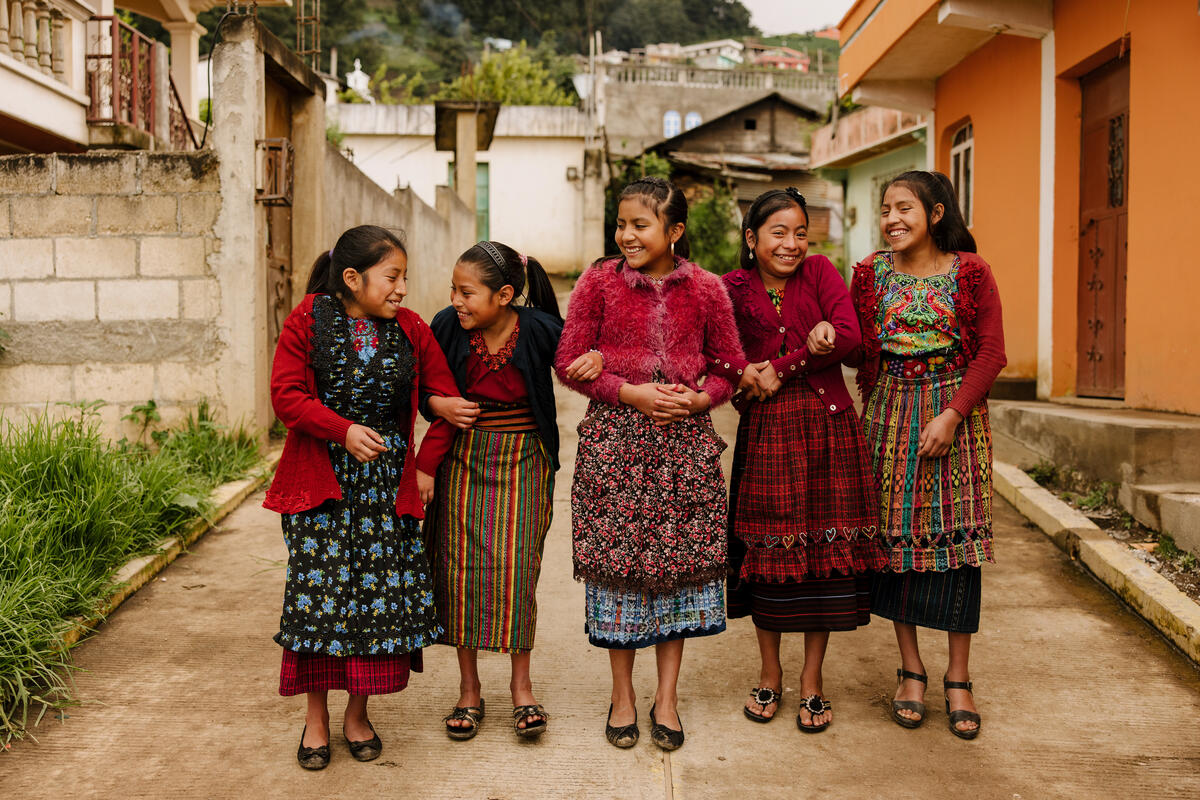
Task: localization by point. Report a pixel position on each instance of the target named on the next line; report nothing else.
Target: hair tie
(794, 193)
(524, 259)
(330, 254)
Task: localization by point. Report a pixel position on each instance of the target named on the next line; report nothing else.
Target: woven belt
(941, 361)
(505, 418)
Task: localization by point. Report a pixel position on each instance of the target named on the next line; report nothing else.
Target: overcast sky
(794, 16)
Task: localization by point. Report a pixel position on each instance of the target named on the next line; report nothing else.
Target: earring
(751, 255)
(672, 248)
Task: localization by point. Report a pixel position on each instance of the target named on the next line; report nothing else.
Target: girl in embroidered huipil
(492, 507)
(648, 500)
(802, 522)
(358, 602)
(933, 345)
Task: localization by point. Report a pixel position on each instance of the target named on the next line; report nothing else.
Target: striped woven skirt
(488, 523)
(935, 513)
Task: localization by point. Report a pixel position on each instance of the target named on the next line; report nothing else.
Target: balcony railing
(32, 32)
(697, 77)
(123, 85)
(861, 132)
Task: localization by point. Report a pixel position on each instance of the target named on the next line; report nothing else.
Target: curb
(1151, 595)
(139, 571)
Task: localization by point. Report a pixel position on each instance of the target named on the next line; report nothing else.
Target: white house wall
(533, 206)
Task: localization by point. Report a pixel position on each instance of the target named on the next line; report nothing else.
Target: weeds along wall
(107, 288)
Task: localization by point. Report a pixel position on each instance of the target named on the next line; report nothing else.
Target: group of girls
(829, 518)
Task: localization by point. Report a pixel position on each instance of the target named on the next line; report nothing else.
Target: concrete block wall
(106, 290)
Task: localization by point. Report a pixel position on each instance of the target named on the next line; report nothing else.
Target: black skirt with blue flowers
(358, 579)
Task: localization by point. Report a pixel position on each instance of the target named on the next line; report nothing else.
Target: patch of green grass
(1045, 473)
(1098, 496)
(1167, 547)
(74, 508)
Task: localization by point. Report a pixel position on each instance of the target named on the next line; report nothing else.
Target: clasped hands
(664, 403)
(760, 381)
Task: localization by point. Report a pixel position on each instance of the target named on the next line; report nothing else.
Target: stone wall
(105, 285)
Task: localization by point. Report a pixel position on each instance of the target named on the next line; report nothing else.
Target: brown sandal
(531, 729)
(472, 714)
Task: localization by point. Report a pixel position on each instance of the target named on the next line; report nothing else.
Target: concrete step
(1119, 445)
(1172, 508)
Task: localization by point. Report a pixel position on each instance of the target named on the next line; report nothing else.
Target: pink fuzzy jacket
(638, 330)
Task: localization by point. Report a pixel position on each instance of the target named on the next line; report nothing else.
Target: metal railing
(682, 75)
(121, 81)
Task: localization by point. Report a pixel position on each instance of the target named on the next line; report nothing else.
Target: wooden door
(278, 125)
(1103, 223)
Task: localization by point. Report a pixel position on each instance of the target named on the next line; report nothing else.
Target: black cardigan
(534, 357)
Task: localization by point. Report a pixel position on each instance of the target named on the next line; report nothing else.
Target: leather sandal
(532, 729)
(915, 706)
(762, 696)
(472, 714)
(312, 758)
(961, 715)
(623, 736)
(814, 704)
(666, 738)
(367, 750)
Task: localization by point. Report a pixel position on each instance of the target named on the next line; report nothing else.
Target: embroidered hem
(973, 553)
(357, 645)
(495, 362)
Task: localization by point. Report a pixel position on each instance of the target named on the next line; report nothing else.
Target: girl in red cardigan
(802, 521)
(358, 602)
(933, 343)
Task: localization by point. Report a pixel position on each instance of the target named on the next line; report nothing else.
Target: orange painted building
(1068, 127)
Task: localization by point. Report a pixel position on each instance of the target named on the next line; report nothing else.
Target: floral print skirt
(648, 520)
(358, 580)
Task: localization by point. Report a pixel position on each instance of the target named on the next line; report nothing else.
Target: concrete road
(1080, 699)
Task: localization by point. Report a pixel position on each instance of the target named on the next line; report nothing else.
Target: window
(751, 124)
(483, 224)
(962, 169)
(670, 124)
(692, 120)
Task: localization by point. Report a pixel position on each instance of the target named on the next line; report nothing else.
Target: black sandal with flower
(535, 718)
(762, 696)
(814, 704)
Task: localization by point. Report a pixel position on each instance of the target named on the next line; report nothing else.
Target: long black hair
(359, 249)
(667, 201)
(766, 204)
(499, 265)
(949, 233)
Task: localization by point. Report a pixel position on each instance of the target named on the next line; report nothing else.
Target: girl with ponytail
(933, 344)
(350, 368)
(503, 452)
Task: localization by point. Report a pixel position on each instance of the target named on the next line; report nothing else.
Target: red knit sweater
(304, 478)
(980, 325)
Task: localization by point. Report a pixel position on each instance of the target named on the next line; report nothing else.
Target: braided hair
(666, 200)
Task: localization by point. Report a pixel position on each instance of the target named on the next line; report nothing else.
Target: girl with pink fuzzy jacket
(648, 500)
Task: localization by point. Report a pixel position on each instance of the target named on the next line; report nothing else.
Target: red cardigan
(304, 478)
(815, 292)
(980, 327)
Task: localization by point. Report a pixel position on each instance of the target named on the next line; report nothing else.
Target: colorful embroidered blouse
(916, 315)
(776, 296)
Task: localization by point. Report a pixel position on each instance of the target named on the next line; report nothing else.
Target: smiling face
(477, 306)
(642, 236)
(902, 218)
(380, 289)
(779, 245)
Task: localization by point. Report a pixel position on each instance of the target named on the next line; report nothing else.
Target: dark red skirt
(835, 603)
(803, 497)
(316, 672)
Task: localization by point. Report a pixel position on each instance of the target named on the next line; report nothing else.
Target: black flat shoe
(664, 737)
(961, 715)
(368, 750)
(313, 758)
(623, 736)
